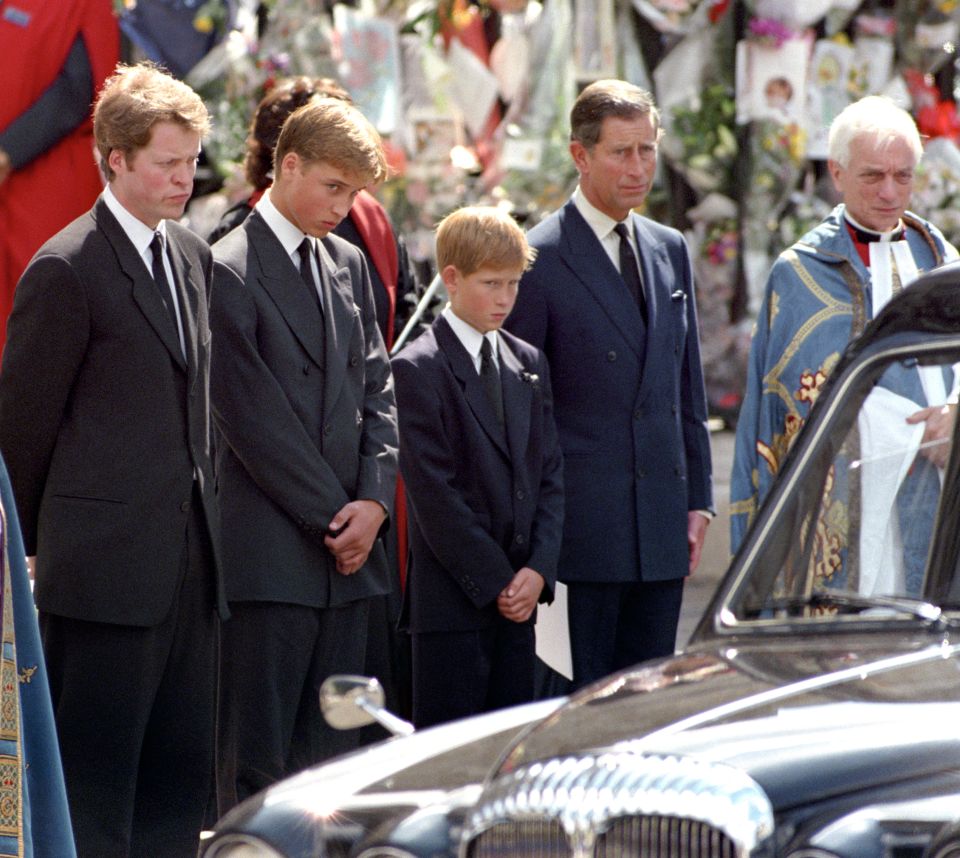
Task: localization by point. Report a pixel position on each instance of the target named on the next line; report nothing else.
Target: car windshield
(851, 528)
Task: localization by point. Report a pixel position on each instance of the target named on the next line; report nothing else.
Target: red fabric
(39, 200)
(374, 227)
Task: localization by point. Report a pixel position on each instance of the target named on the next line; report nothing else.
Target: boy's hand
(356, 525)
(520, 596)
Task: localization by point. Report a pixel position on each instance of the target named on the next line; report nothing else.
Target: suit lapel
(189, 286)
(517, 394)
(145, 293)
(338, 311)
(282, 281)
(461, 363)
(583, 253)
(658, 280)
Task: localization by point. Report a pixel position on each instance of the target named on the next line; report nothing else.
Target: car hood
(776, 710)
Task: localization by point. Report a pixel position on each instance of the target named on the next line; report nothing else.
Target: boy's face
(484, 298)
(315, 196)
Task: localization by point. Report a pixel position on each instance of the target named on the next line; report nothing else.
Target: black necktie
(629, 270)
(490, 378)
(306, 270)
(160, 278)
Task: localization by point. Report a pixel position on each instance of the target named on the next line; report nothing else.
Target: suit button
(185, 506)
(641, 473)
(306, 369)
(520, 494)
(518, 539)
(354, 360)
(611, 356)
(638, 414)
(673, 409)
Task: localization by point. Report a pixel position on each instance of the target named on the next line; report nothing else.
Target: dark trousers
(613, 626)
(275, 657)
(135, 710)
(456, 674)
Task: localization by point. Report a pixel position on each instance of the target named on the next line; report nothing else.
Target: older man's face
(877, 183)
(617, 172)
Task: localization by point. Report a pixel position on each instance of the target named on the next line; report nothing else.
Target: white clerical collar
(602, 224)
(470, 337)
(135, 229)
(895, 234)
(289, 235)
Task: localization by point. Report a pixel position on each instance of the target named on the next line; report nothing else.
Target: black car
(815, 712)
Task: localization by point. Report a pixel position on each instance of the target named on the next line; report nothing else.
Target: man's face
(484, 298)
(315, 196)
(616, 173)
(877, 183)
(155, 182)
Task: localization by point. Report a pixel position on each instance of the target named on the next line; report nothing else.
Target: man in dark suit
(482, 466)
(303, 398)
(104, 423)
(622, 343)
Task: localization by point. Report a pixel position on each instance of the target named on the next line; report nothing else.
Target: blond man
(104, 423)
(304, 401)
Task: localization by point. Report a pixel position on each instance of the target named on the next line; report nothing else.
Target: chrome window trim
(725, 621)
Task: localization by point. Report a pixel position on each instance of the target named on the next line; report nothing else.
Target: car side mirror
(348, 702)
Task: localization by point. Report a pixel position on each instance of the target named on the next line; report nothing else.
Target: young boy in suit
(483, 471)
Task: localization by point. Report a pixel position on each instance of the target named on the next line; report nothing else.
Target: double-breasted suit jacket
(306, 410)
(629, 397)
(486, 499)
(104, 423)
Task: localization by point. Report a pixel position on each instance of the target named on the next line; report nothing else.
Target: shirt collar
(469, 336)
(865, 235)
(290, 236)
(135, 229)
(601, 224)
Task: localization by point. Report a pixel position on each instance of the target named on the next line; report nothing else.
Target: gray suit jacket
(307, 417)
(103, 424)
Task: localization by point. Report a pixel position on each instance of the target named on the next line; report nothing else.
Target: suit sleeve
(693, 400)
(548, 524)
(452, 530)
(255, 417)
(47, 335)
(61, 108)
(378, 442)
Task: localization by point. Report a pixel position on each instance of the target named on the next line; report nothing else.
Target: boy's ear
(451, 278)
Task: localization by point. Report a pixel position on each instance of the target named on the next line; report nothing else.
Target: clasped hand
(356, 527)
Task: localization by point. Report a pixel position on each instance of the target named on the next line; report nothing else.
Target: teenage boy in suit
(483, 471)
(105, 427)
(303, 398)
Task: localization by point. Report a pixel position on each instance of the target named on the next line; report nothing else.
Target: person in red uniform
(48, 171)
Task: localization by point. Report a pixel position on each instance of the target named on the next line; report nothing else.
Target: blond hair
(134, 99)
(476, 237)
(333, 132)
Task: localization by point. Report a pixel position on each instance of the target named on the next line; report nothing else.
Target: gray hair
(872, 115)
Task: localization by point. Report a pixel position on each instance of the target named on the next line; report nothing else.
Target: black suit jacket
(307, 417)
(103, 423)
(484, 502)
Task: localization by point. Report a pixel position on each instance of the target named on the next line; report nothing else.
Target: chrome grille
(663, 837)
(538, 838)
(616, 804)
